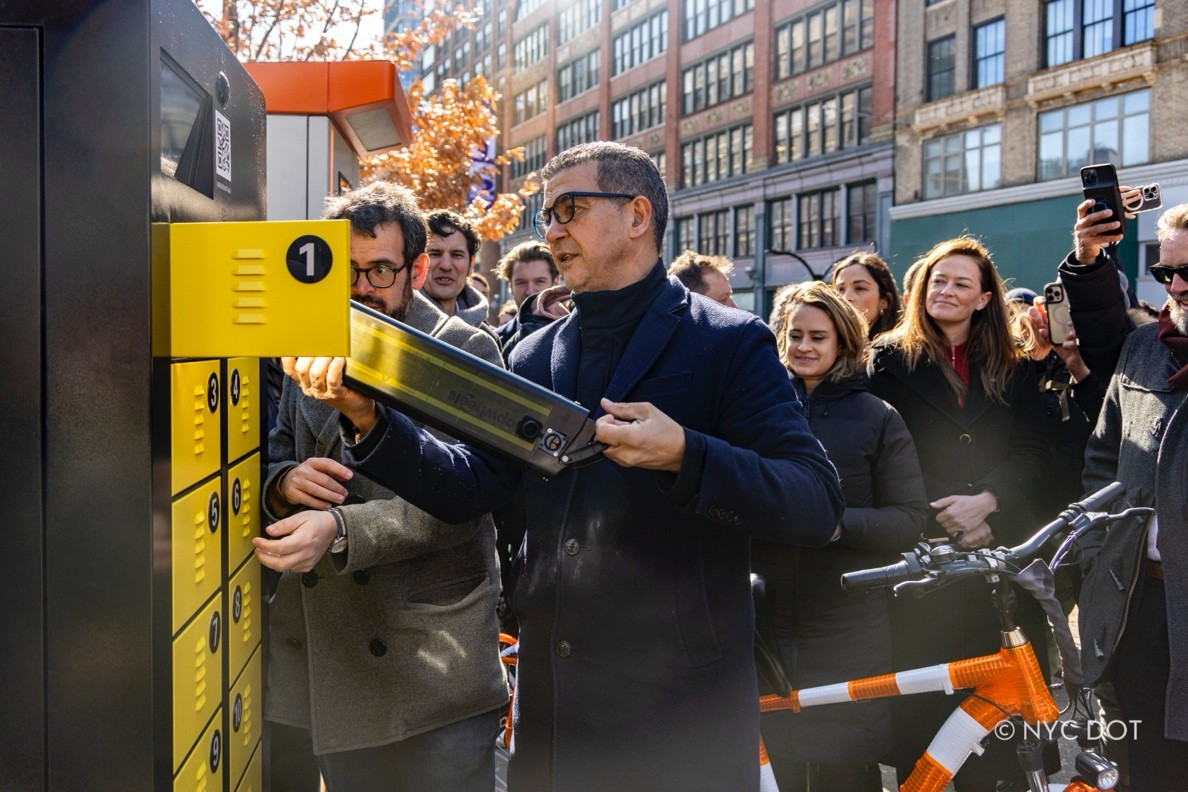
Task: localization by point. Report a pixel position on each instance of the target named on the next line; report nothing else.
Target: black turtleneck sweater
(607, 320)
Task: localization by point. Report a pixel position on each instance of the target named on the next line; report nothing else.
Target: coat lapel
(649, 340)
(929, 384)
(563, 362)
(645, 346)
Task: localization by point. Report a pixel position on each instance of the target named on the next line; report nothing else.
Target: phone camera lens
(1089, 177)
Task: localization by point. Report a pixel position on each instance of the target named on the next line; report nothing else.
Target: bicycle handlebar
(944, 561)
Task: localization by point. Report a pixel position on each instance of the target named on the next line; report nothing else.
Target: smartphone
(1148, 197)
(1100, 185)
(1056, 307)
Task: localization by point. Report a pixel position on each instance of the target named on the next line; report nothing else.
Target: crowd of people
(834, 437)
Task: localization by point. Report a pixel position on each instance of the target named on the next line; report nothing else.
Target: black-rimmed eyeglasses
(1165, 274)
(564, 208)
(380, 277)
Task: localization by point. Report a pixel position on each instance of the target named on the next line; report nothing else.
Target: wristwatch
(339, 545)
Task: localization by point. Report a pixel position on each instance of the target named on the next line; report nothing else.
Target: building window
(639, 110)
(577, 18)
(532, 47)
(963, 162)
(779, 224)
(817, 219)
(525, 7)
(534, 158)
(861, 212)
(661, 160)
(718, 79)
(835, 31)
(823, 126)
(989, 53)
(641, 42)
(713, 233)
(532, 205)
(1115, 129)
(942, 67)
(744, 231)
(702, 16)
(716, 156)
(577, 76)
(685, 240)
(531, 102)
(1075, 29)
(583, 129)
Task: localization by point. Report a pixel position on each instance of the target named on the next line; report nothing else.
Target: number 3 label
(309, 258)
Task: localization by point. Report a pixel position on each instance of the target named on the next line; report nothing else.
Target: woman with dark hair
(827, 635)
(866, 282)
(956, 375)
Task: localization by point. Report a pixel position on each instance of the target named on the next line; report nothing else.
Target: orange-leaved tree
(450, 125)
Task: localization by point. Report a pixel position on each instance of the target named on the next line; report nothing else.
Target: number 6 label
(309, 258)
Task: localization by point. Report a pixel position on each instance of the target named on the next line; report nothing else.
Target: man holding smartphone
(1134, 599)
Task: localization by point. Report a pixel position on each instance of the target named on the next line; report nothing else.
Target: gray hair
(621, 169)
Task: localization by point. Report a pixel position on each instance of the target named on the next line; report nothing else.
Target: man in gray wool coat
(383, 625)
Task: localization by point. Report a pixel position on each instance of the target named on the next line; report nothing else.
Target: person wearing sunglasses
(1134, 598)
(632, 584)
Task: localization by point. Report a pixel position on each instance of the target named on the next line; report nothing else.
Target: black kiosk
(130, 618)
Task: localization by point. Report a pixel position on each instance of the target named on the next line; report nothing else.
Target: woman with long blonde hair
(956, 375)
(827, 635)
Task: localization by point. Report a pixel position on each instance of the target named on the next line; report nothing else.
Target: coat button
(572, 547)
(293, 642)
(361, 576)
(564, 649)
(309, 579)
(378, 648)
(965, 439)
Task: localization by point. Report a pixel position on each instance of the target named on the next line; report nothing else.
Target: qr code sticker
(222, 146)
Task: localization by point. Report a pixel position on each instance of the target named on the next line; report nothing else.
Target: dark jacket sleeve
(764, 472)
(451, 481)
(1089, 394)
(900, 507)
(1097, 307)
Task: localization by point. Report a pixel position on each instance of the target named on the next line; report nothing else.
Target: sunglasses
(1165, 274)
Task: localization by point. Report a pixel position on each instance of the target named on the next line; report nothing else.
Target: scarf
(1170, 335)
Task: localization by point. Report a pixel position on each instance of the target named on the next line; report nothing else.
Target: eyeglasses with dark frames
(564, 208)
(380, 277)
(1165, 274)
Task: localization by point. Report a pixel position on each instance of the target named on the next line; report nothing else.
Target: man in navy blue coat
(632, 584)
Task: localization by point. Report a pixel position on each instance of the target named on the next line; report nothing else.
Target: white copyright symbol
(1005, 730)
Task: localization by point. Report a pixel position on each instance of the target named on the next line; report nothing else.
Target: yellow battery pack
(252, 289)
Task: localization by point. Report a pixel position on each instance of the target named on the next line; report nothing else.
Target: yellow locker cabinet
(197, 677)
(196, 396)
(243, 509)
(252, 289)
(245, 701)
(245, 389)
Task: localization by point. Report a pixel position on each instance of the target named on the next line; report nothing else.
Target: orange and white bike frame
(1005, 684)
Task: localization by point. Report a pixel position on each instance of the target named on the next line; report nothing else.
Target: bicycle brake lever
(917, 588)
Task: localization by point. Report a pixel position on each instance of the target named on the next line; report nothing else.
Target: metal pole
(815, 275)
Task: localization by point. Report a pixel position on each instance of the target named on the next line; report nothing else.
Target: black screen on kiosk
(187, 130)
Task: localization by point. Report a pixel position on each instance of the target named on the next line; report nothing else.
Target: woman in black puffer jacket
(827, 635)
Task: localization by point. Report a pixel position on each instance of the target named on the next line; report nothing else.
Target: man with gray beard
(1134, 600)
